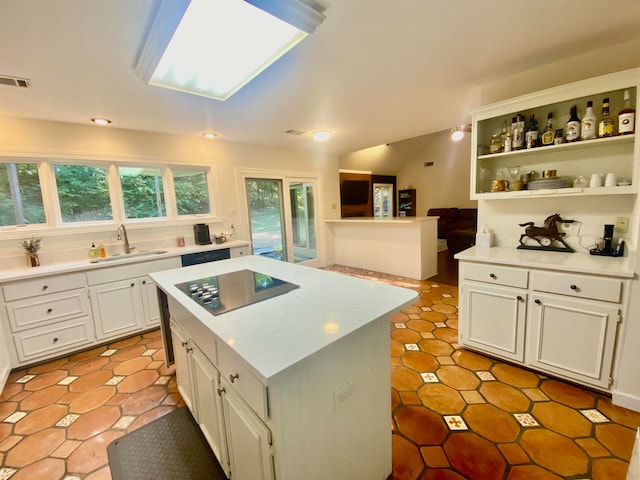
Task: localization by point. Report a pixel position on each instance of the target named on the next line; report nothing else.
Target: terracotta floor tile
(435, 347)
(154, 365)
(92, 352)
(471, 360)
(126, 342)
(421, 425)
(447, 309)
(144, 400)
(397, 348)
(164, 370)
(446, 360)
(34, 447)
(132, 366)
(43, 397)
(531, 472)
(8, 442)
(419, 361)
(554, 452)
(92, 454)
(41, 419)
(562, 419)
(90, 381)
(434, 457)
(616, 438)
(440, 474)
(18, 397)
(515, 376)
(608, 469)
(514, 453)
(624, 416)
(570, 395)
(128, 353)
(441, 399)
(7, 408)
(505, 397)
(92, 399)
(10, 390)
(405, 335)
(535, 394)
(66, 449)
(420, 326)
(458, 378)
(176, 399)
(491, 423)
(49, 468)
(406, 458)
(93, 423)
(447, 334)
(474, 456)
(408, 398)
(102, 474)
(45, 380)
(432, 316)
(137, 381)
(593, 447)
(395, 400)
(149, 416)
(49, 366)
(403, 378)
(87, 366)
(472, 396)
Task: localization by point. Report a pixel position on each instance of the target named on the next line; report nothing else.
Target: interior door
(303, 221)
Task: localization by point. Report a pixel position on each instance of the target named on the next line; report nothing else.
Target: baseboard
(621, 399)
(4, 374)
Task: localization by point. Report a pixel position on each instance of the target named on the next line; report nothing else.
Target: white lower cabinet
(117, 308)
(150, 305)
(181, 359)
(563, 324)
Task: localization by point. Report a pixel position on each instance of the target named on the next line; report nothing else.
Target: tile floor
(456, 414)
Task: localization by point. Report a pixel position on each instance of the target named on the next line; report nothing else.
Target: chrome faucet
(122, 232)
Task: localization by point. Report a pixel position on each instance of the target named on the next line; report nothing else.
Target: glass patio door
(383, 200)
(282, 218)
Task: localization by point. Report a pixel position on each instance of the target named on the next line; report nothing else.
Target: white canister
(596, 180)
(610, 180)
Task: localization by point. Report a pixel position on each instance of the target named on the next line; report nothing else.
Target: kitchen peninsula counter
(297, 384)
(405, 246)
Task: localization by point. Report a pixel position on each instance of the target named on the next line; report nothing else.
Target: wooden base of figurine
(546, 249)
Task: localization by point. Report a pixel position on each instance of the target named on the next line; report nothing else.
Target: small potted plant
(31, 248)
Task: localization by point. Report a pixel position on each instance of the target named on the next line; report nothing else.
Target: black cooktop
(230, 291)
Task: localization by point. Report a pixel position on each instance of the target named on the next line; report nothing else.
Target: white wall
(22, 136)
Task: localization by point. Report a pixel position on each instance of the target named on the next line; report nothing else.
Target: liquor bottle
(573, 125)
(503, 134)
(517, 132)
(547, 135)
(507, 142)
(589, 122)
(627, 117)
(532, 132)
(606, 127)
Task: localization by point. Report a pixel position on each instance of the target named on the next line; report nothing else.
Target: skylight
(215, 47)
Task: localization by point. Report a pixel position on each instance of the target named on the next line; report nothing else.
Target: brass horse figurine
(546, 234)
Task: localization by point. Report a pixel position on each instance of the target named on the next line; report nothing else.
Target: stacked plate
(554, 182)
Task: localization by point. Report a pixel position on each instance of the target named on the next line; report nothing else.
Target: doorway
(383, 200)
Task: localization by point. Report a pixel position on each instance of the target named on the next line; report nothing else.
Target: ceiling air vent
(15, 81)
(294, 132)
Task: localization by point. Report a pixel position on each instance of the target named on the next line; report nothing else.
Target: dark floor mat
(171, 447)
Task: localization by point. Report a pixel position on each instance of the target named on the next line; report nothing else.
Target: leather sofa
(457, 226)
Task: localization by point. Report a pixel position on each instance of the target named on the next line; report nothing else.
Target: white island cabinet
(296, 386)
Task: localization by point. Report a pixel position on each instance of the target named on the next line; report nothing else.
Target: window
(192, 192)
(83, 192)
(20, 194)
(142, 192)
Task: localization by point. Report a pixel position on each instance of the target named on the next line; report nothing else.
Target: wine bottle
(627, 117)
(531, 137)
(589, 122)
(547, 135)
(606, 127)
(572, 133)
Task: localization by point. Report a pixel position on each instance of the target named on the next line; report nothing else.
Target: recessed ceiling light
(321, 135)
(101, 121)
(457, 135)
(209, 135)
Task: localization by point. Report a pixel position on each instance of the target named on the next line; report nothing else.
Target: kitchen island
(405, 246)
(295, 386)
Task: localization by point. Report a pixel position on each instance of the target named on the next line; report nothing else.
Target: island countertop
(275, 334)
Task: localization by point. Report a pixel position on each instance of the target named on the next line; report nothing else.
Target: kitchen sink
(125, 256)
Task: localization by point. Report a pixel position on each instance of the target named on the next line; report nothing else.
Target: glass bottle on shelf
(627, 117)
(508, 142)
(531, 136)
(503, 134)
(606, 127)
(496, 143)
(572, 133)
(517, 132)
(589, 123)
(547, 135)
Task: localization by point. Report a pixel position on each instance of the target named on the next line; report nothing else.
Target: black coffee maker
(609, 247)
(201, 234)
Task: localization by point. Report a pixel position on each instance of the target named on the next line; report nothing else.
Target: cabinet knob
(49, 310)
(221, 390)
(44, 287)
(493, 275)
(184, 344)
(55, 339)
(519, 298)
(144, 282)
(233, 377)
(573, 287)
(133, 284)
(190, 349)
(537, 301)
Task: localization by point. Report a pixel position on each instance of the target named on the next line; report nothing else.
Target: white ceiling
(376, 71)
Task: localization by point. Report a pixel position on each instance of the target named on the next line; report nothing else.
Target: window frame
(51, 202)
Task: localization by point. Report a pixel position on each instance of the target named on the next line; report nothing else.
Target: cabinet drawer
(47, 309)
(133, 270)
(512, 277)
(242, 381)
(582, 286)
(51, 340)
(43, 285)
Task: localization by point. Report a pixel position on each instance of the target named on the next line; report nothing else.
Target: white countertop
(577, 262)
(86, 265)
(275, 334)
(376, 220)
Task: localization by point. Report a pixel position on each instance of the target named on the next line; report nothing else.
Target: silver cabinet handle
(233, 377)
